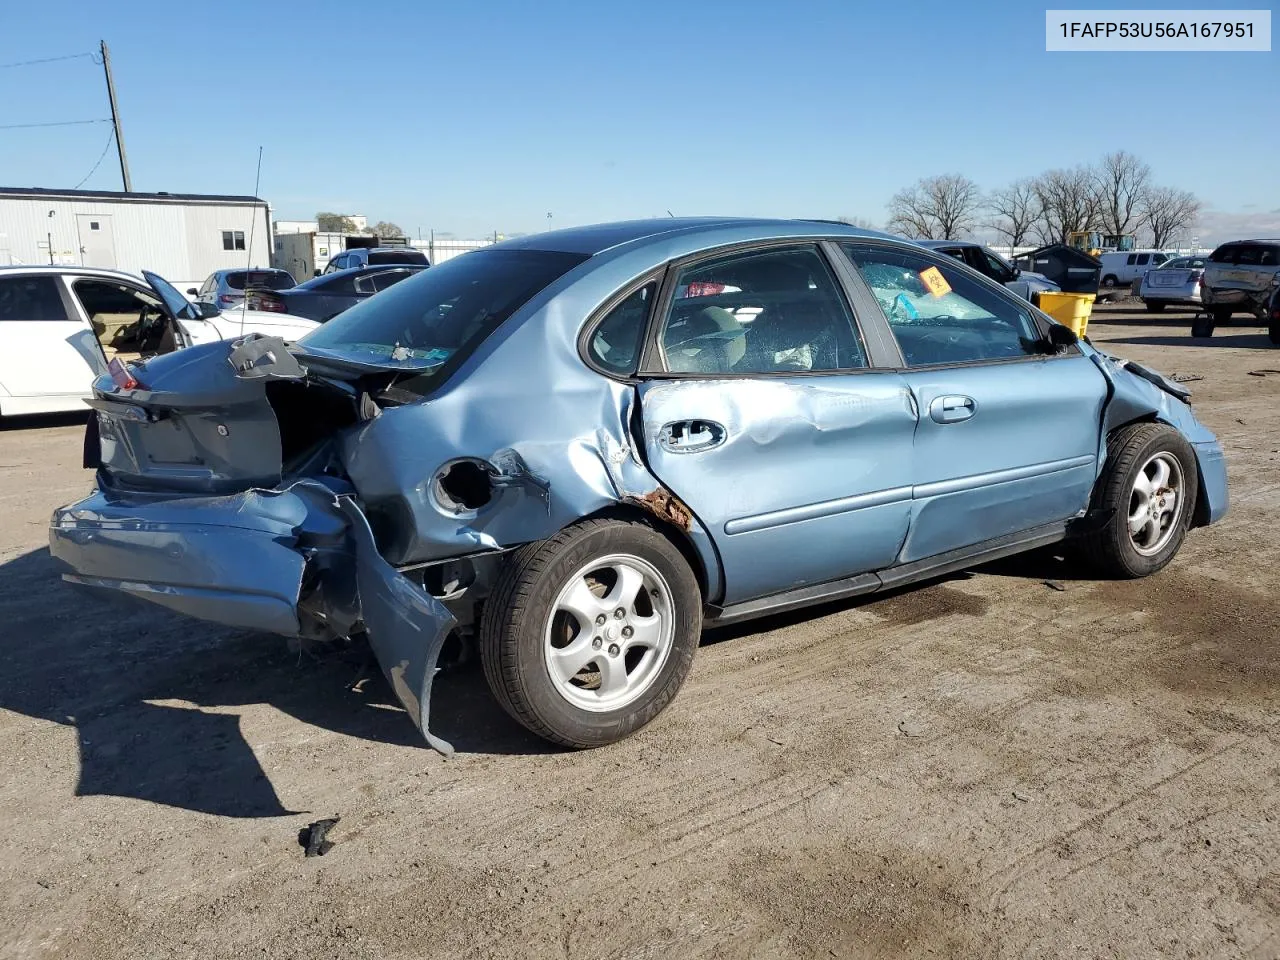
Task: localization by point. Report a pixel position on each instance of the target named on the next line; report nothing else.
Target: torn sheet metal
(407, 627)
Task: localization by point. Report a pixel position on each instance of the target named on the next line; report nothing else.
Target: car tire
(1145, 463)
(1221, 315)
(1273, 333)
(618, 601)
(1202, 327)
(1110, 281)
(1155, 307)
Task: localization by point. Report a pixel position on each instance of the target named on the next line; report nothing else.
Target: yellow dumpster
(1069, 309)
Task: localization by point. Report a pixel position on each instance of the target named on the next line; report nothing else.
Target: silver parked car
(1176, 281)
(226, 288)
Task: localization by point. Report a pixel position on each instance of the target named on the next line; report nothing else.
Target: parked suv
(1121, 269)
(1024, 283)
(376, 257)
(1240, 277)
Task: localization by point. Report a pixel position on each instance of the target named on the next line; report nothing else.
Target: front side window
(1144, 259)
(997, 269)
(124, 319)
(940, 315)
(420, 323)
(772, 311)
(30, 298)
(1159, 257)
(615, 343)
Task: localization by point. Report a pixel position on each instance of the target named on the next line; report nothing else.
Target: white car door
(49, 355)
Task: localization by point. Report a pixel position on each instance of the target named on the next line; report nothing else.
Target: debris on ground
(1185, 377)
(314, 836)
(1263, 372)
(1056, 585)
(1023, 797)
(910, 727)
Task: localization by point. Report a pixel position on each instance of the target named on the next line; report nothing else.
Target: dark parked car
(327, 295)
(574, 450)
(376, 257)
(1024, 283)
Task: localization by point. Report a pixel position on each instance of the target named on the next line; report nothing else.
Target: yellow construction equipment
(1094, 243)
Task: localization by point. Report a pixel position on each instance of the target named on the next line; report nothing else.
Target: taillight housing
(1196, 275)
(121, 375)
(226, 298)
(270, 304)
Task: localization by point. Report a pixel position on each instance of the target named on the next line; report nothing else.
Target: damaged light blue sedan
(576, 450)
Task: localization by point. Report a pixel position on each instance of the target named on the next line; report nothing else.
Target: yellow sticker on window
(933, 279)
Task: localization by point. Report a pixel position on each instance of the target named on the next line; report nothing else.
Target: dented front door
(799, 480)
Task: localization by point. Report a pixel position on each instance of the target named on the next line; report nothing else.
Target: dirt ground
(981, 767)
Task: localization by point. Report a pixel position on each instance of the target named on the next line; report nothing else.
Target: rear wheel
(1155, 306)
(1202, 327)
(1273, 332)
(1147, 491)
(1109, 281)
(589, 635)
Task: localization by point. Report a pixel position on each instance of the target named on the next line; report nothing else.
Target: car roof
(225, 270)
(361, 271)
(36, 268)
(939, 244)
(597, 237)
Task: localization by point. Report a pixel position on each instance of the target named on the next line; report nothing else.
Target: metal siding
(180, 241)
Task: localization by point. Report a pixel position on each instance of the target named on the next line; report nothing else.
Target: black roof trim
(116, 196)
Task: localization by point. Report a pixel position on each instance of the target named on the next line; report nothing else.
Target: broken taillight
(122, 376)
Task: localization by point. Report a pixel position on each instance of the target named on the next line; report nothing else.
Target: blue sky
(470, 117)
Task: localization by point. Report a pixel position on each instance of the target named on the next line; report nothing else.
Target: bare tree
(1068, 201)
(936, 208)
(334, 223)
(1122, 183)
(861, 222)
(1166, 210)
(1016, 210)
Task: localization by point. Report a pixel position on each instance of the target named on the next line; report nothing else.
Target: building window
(232, 239)
(93, 224)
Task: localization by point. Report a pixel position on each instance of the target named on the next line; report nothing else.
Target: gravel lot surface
(979, 767)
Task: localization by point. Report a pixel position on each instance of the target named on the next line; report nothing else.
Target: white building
(183, 237)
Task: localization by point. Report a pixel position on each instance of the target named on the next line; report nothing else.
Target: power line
(32, 63)
(56, 123)
(110, 136)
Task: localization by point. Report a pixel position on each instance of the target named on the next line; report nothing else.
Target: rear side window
(1225, 254)
(436, 314)
(615, 343)
(30, 298)
(772, 311)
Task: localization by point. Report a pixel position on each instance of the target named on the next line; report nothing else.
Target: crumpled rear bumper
(299, 561)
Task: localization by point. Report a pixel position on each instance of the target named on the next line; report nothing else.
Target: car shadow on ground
(153, 696)
(45, 421)
(1252, 340)
(1052, 563)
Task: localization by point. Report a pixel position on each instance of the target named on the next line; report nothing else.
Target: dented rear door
(799, 480)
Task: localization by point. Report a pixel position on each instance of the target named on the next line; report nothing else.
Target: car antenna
(257, 179)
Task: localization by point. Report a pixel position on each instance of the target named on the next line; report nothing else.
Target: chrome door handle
(952, 409)
(691, 436)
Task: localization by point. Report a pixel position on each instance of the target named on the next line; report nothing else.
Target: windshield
(260, 280)
(421, 322)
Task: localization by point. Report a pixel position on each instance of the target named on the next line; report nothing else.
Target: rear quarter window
(1224, 254)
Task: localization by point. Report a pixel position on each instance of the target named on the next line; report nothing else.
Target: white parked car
(60, 327)
(1121, 269)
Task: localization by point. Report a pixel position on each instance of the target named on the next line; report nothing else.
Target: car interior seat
(711, 340)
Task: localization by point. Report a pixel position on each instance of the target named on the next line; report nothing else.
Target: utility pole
(115, 118)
